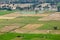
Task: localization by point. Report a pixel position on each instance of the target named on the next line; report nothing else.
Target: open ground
(55, 16)
(28, 24)
(17, 14)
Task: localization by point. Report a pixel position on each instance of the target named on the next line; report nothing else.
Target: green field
(30, 20)
(24, 20)
(5, 12)
(11, 36)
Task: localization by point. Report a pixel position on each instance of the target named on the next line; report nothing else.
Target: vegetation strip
(10, 36)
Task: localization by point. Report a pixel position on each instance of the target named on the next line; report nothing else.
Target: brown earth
(39, 31)
(31, 26)
(17, 14)
(10, 16)
(32, 29)
(55, 16)
(45, 31)
(28, 28)
(9, 28)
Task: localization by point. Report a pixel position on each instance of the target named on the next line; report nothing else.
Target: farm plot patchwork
(35, 30)
(17, 14)
(28, 28)
(32, 26)
(9, 28)
(25, 20)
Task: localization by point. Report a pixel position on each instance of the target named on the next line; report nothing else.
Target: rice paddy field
(22, 23)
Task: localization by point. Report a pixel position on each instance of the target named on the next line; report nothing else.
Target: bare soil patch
(28, 28)
(55, 31)
(32, 29)
(10, 16)
(45, 31)
(9, 28)
(2, 17)
(38, 31)
(32, 26)
(55, 16)
(17, 14)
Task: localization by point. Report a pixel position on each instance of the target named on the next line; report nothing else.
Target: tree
(36, 11)
(55, 28)
(58, 7)
(18, 36)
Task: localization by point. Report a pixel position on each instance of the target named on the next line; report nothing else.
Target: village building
(41, 7)
(45, 7)
(14, 6)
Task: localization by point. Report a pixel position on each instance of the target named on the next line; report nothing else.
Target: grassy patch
(5, 12)
(49, 25)
(23, 20)
(10, 36)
